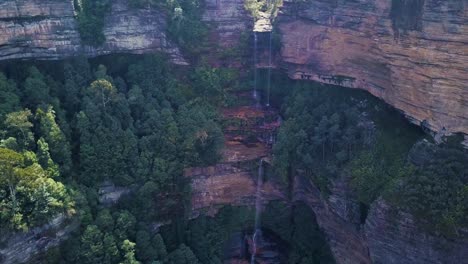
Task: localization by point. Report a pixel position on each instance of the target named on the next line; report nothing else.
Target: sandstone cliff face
(412, 55)
(225, 184)
(229, 20)
(346, 241)
(388, 236)
(47, 29)
(394, 238)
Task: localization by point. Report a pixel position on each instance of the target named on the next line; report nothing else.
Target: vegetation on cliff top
(91, 14)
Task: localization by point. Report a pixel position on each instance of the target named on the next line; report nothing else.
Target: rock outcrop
(346, 241)
(47, 29)
(388, 236)
(21, 247)
(225, 184)
(394, 238)
(233, 181)
(110, 194)
(412, 54)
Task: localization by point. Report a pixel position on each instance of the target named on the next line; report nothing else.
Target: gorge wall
(412, 54)
(414, 60)
(47, 29)
(417, 62)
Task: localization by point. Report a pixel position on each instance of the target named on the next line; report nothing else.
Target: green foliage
(318, 135)
(28, 196)
(128, 249)
(92, 247)
(111, 251)
(256, 8)
(35, 89)
(55, 138)
(18, 126)
(202, 137)
(437, 190)
(91, 15)
(183, 255)
(298, 227)
(185, 25)
(9, 99)
(372, 176)
(145, 250)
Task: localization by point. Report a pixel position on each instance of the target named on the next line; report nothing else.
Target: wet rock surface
(247, 133)
(238, 249)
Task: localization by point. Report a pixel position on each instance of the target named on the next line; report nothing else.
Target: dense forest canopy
(333, 134)
(63, 136)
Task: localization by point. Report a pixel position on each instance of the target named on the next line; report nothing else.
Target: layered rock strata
(233, 181)
(394, 238)
(412, 54)
(47, 29)
(229, 20)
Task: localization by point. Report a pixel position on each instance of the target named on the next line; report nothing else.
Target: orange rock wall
(420, 69)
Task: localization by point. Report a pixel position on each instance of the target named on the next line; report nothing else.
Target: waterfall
(269, 70)
(255, 93)
(258, 210)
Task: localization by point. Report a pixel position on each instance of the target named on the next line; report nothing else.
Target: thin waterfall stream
(258, 211)
(255, 92)
(269, 70)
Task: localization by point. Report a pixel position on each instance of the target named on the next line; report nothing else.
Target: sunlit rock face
(47, 29)
(412, 54)
(229, 19)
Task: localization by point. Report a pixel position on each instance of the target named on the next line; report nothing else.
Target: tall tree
(128, 249)
(9, 96)
(51, 132)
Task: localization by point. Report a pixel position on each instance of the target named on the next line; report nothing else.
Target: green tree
(111, 251)
(124, 225)
(28, 196)
(9, 96)
(202, 136)
(159, 246)
(19, 126)
(92, 247)
(182, 255)
(45, 160)
(128, 249)
(145, 250)
(36, 91)
(104, 220)
(10, 213)
(51, 132)
(91, 15)
(103, 90)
